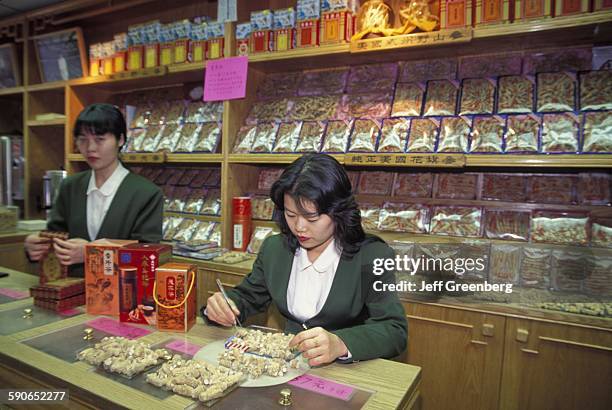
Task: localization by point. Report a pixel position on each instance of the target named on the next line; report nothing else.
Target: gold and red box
(198, 50)
(492, 11)
(456, 13)
(308, 32)
(261, 41)
(166, 53)
(336, 27)
(151, 53)
(102, 276)
(571, 7)
(176, 296)
(214, 48)
(284, 39)
(140, 261)
(532, 9)
(119, 61)
(136, 57)
(181, 48)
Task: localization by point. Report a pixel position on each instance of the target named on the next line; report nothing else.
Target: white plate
(211, 351)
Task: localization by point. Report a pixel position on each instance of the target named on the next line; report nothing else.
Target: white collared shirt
(310, 282)
(100, 199)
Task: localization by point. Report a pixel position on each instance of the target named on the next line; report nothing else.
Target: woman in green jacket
(320, 272)
(107, 201)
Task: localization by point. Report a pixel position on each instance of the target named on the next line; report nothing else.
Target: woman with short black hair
(107, 201)
(319, 271)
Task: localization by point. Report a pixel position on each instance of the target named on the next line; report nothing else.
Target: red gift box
(308, 33)
(261, 41)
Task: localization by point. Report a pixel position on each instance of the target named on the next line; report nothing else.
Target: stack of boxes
(59, 295)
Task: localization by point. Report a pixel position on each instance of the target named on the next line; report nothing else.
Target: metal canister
(241, 222)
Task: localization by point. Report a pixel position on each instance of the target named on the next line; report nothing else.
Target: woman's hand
(319, 346)
(218, 311)
(36, 247)
(71, 251)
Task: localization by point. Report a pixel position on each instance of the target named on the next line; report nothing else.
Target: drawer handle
(529, 351)
(478, 342)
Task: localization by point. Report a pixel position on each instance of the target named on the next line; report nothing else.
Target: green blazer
(371, 324)
(135, 213)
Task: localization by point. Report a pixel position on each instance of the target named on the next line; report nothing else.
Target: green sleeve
(251, 295)
(147, 227)
(384, 332)
(57, 217)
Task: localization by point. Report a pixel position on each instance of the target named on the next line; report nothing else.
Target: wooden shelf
(208, 218)
(52, 86)
(12, 91)
(193, 158)
(326, 50)
(147, 158)
(271, 158)
(541, 160)
(56, 122)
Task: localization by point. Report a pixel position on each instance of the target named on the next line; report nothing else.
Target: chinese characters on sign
(407, 160)
(462, 35)
(323, 386)
(225, 79)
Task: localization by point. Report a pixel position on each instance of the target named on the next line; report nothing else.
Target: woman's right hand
(218, 311)
(36, 247)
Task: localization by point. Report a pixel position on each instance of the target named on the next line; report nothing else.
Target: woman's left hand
(319, 346)
(71, 251)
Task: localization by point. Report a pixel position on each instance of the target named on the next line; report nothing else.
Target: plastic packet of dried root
(551, 189)
(151, 140)
(311, 136)
(364, 136)
(556, 92)
(504, 187)
(408, 100)
(423, 70)
(593, 189)
(491, 65)
(245, 139)
(267, 177)
(370, 213)
(372, 78)
(565, 228)
(200, 178)
(393, 135)
(506, 224)
(560, 132)
(337, 135)
(596, 90)
(598, 280)
(212, 203)
(569, 269)
(186, 137)
(454, 134)
(456, 221)
(364, 106)
(141, 117)
(601, 233)
(135, 138)
(488, 134)
(522, 132)
(194, 201)
(323, 82)
(171, 227)
(185, 230)
(214, 178)
(423, 135)
(175, 110)
(268, 111)
(562, 59)
(413, 185)
(457, 186)
(215, 233)
(477, 96)
(264, 137)
(441, 98)
(515, 94)
(209, 135)
(375, 183)
(287, 137)
(262, 207)
(259, 235)
(597, 132)
(168, 137)
(505, 263)
(535, 267)
(314, 108)
(277, 85)
(179, 198)
(398, 217)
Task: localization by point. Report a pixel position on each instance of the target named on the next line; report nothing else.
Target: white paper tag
(238, 236)
(63, 67)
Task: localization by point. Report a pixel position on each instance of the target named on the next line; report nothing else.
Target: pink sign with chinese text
(225, 79)
(115, 328)
(323, 386)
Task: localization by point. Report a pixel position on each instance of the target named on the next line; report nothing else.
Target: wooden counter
(396, 385)
(12, 252)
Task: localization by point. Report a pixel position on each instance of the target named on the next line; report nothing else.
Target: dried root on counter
(441, 98)
(556, 92)
(515, 95)
(252, 365)
(269, 344)
(122, 356)
(596, 90)
(487, 134)
(408, 100)
(560, 132)
(477, 96)
(522, 133)
(597, 132)
(194, 378)
(454, 134)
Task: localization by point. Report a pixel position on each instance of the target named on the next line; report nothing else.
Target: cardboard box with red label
(176, 296)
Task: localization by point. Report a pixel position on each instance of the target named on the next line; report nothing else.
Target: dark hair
(321, 179)
(100, 118)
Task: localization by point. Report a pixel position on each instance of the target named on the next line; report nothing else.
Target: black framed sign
(61, 55)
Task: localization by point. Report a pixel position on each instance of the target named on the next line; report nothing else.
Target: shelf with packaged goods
(56, 122)
(271, 158)
(160, 158)
(208, 218)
